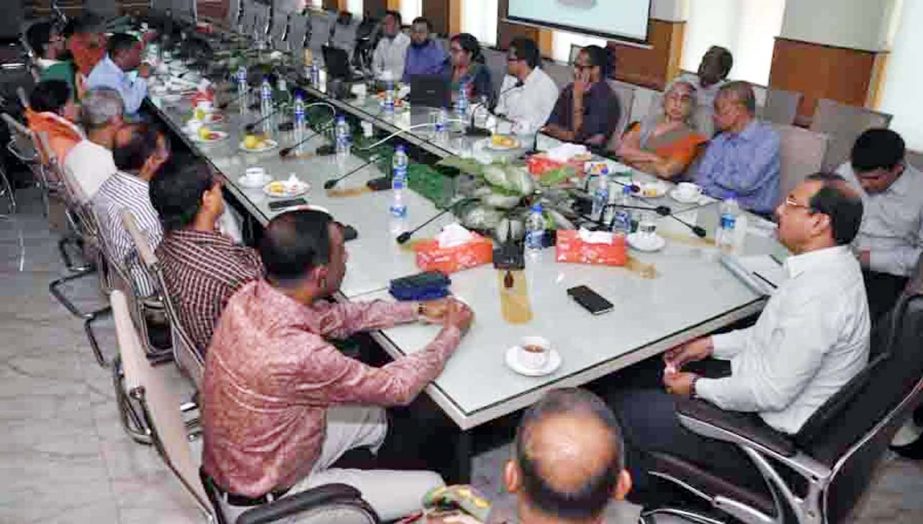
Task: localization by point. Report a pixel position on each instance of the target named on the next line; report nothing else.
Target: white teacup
(688, 190)
(254, 175)
(193, 126)
(205, 105)
(534, 352)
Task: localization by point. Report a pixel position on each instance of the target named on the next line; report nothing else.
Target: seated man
(891, 237)
(743, 160)
(568, 463)
(527, 95)
(280, 404)
(588, 111)
(86, 41)
(424, 56)
(713, 71)
(52, 111)
(809, 341)
(49, 46)
(90, 162)
(388, 59)
(139, 160)
(202, 267)
(123, 57)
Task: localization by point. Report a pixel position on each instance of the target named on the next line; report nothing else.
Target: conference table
(679, 293)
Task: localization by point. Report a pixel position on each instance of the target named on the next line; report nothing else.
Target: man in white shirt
(123, 56)
(713, 71)
(810, 340)
(527, 95)
(890, 239)
(90, 164)
(388, 59)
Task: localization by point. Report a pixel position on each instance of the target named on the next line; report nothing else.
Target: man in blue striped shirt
(743, 160)
(114, 70)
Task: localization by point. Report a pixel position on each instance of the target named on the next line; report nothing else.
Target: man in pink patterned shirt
(280, 404)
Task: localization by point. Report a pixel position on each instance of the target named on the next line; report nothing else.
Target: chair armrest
(708, 420)
(294, 504)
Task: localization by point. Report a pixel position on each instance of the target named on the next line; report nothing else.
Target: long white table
(691, 294)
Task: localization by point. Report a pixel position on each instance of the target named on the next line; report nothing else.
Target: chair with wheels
(818, 474)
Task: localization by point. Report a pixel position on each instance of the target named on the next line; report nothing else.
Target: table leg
(459, 471)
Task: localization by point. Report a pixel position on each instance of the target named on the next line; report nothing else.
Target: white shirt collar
(819, 259)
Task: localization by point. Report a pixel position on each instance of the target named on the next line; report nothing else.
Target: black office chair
(818, 474)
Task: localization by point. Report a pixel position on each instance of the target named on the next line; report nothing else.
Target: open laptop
(336, 61)
(430, 91)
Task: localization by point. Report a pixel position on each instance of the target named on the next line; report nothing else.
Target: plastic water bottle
(461, 104)
(442, 126)
(266, 104)
(343, 139)
(282, 89)
(623, 219)
(299, 121)
(315, 75)
(600, 198)
(242, 88)
(535, 231)
(398, 207)
(725, 237)
(389, 99)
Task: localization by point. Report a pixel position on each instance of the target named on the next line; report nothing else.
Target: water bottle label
(535, 239)
(398, 210)
(728, 221)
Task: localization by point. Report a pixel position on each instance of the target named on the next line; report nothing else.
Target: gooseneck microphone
(476, 131)
(329, 184)
(288, 150)
(405, 236)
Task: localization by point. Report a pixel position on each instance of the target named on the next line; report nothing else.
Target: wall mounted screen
(613, 19)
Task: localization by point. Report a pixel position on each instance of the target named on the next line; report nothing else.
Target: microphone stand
(476, 131)
(329, 184)
(285, 152)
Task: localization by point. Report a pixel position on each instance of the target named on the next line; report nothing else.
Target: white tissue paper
(594, 237)
(203, 85)
(565, 152)
(453, 235)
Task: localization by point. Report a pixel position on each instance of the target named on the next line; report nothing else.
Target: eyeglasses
(512, 58)
(583, 67)
(791, 202)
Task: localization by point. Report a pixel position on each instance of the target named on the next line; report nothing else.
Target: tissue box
(540, 164)
(570, 248)
(430, 257)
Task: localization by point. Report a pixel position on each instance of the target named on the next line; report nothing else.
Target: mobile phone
(590, 300)
(283, 204)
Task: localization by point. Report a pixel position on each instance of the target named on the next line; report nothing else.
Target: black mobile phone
(590, 300)
(282, 204)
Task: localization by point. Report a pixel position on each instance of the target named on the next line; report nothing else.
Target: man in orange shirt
(52, 113)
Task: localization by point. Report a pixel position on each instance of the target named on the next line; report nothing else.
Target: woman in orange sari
(666, 145)
(52, 112)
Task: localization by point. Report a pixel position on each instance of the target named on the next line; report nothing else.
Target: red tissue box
(430, 257)
(570, 248)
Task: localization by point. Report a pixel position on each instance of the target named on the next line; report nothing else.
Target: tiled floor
(64, 456)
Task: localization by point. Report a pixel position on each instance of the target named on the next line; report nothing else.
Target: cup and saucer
(254, 178)
(533, 357)
(646, 238)
(686, 193)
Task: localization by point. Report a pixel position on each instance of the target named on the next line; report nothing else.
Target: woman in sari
(52, 112)
(666, 145)
(468, 68)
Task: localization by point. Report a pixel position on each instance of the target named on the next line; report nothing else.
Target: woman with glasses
(667, 144)
(588, 110)
(468, 67)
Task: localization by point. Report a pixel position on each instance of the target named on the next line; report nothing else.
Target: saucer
(551, 365)
(651, 244)
(674, 194)
(289, 190)
(653, 190)
(257, 185)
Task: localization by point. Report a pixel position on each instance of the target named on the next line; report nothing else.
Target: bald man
(568, 462)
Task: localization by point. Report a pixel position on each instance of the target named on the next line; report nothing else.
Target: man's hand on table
(458, 315)
(698, 349)
(681, 384)
(144, 70)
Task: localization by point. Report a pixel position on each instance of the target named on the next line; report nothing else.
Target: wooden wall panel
(376, 8)
(331, 5)
(437, 11)
(821, 71)
(507, 31)
(213, 9)
(651, 66)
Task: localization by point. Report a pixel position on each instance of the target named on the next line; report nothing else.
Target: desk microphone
(476, 131)
(329, 184)
(225, 104)
(287, 151)
(405, 236)
(251, 126)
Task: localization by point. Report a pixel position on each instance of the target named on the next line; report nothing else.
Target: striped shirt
(201, 271)
(125, 191)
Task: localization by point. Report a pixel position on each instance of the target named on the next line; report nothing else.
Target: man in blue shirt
(424, 56)
(123, 57)
(743, 160)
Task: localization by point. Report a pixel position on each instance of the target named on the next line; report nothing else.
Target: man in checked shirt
(280, 404)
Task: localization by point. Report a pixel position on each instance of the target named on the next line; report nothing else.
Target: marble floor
(64, 456)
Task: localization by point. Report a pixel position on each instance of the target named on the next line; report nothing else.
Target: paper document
(761, 273)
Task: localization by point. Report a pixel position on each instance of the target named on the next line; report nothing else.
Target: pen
(775, 259)
(764, 279)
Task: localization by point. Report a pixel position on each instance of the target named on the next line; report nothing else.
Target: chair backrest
(626, 94)
(279, 30)
(185, 354)
(320, 23)
(852, 430)
(802, 153)
(160, 404)
(344, 36)
(915, 159)
(562, 74)
(781, 106)
(844, 123)
(21, 138)
(248, 18)
(297, 34)
(495, 61)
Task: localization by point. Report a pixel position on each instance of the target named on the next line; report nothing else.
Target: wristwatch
(421, 310)
(692, 391)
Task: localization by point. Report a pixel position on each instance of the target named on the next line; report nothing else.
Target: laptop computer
(430, 91)
(336, 61)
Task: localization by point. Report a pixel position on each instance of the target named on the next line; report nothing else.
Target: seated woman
(468, 68)
(52, 111)
(665, 145)
(588, 110)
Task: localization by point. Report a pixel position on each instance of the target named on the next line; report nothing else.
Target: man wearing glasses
(425, 56)
(810, 340)
(528, 94)
(891, 237)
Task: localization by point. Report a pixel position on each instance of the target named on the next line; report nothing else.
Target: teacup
(688, 190)
(205, 105)
(534, 352)
(193, 126)
(254, 175)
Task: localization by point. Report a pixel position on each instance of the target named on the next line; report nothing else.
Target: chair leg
(132, 421)
(88, 328)
(65, 256)
(59, 295)
(8, 189)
